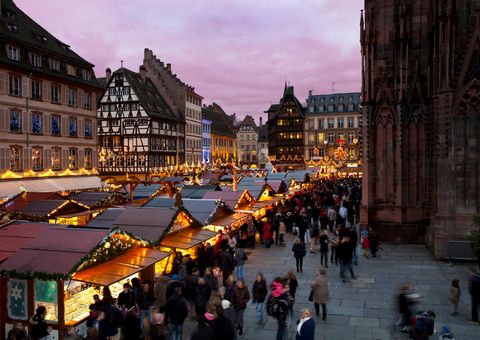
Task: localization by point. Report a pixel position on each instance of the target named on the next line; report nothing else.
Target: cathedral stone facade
(421, 119)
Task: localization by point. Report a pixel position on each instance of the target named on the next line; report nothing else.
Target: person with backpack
(240, 258)
(299, 253)
(176, 311)
(278, 307)
(423, 326)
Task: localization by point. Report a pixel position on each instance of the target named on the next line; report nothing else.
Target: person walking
(224, 330)
(161, 284)
(229, 312)
(332, 216)
(314, 236)
(278, 307)
(299, 253)
(334, 241)
(345, 252)
(202, 295)
(454, 296)
(305, 326)
(210, 279)
(176, 311)
(320, 293)
(474, 287)
(373, 241)
(241, 296)
(226, 264)
(324, 248)
(145, 301)
(259, 293)
(267, 234)
(240, 258)
(282, 230)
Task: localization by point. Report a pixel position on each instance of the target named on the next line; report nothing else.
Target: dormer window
(42, 38)
(13, 53)
(71, 70)
(36, 59)
(54, 64)
(10, 14)
(12, 28)
(86, 74)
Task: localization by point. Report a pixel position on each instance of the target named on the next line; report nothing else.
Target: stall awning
(14, 187)
(187, 238)
(120, 267)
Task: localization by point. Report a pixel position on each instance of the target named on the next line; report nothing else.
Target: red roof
(21, 200)
(15, 236)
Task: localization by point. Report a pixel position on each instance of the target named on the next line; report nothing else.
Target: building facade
(184, 102)
(138, 132)
(262, 153)
(285, 132)
(333, 133)
(47, 102)
(421, 89)
(223, 142)
(206, 141)
(247, 141)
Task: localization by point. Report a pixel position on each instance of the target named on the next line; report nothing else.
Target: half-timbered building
(285, 132)
(138, 131)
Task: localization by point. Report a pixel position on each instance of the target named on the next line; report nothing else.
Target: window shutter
(94, 157)
(46, 125)
(3, 163)
(64, 126)
(80, 99)
(26, 158)
(3, 82)
(4, 117)
(46, 88)
(25, 121)
(25, 86)
(80, 131)
(64, 159)
(47, 158)
(81, 158)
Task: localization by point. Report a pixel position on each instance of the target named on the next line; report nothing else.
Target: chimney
(310, 92)
(261, 121)
(143, 72)
(169, 67)
(108, 74)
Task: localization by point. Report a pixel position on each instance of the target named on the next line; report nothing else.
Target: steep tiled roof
(248, 121)
(221, 123)
(19, 29)
(263, 133)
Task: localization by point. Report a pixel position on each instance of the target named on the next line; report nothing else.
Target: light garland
(47, 173)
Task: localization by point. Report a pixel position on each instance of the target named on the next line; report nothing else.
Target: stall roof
(276, 175)
(187, 238)
(145, 191)
(146, 223)
(25, 198)
(14, 236)
(89, 198)
(106, 273)
(226, 220)
(53, 184)
(106, 219)
(229, 197)
(173, 179)
(197, 191)
(211, 175)
(55, 250)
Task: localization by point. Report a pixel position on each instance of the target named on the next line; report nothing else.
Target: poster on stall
(17, 299)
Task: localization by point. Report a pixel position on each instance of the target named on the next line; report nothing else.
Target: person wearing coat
(305, 326)
(282, 230)
(299, 253)
(259, 292)
(320, 293)
(241, 296)
(267, 234)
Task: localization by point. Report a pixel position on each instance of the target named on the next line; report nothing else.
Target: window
(112, 91)
(36, 123)
(37, 157)
(72, 127)
(330, 123)
(56, 127)
(15, 158)
(351, 122)
(87, 100)
(126, 90)
(56, 158)
(321, 137)
(88, 128)
(351, 137)
(331, 137)
(54, 64)
(116, 142)
(86, 74)
(340, 122)
(72, 158)
(14, 85)
(71, 70)
(36, 59)
(55, 95)
(15, 122)
(321, 124)
(87, 162)
(13, 53)
(36, 89)
(72, 97)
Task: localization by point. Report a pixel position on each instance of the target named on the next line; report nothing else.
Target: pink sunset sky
(238, 53)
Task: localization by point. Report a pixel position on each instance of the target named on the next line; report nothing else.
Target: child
(365, 245)
(454, 296)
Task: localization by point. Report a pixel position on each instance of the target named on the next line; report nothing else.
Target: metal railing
(458, 250)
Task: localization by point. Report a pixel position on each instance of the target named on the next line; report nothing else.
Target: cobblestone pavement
(364, 308)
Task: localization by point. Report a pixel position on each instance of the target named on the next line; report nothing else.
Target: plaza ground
(364, 308)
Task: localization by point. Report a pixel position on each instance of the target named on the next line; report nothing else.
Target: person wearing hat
(203, 331)
(229, 312)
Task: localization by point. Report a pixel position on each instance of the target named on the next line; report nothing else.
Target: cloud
(238, 53)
